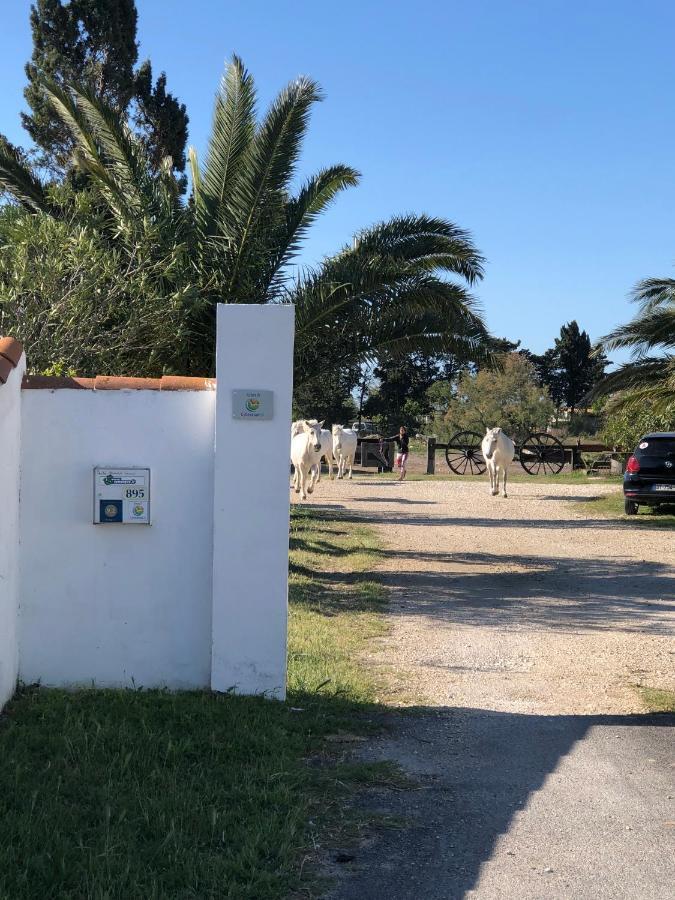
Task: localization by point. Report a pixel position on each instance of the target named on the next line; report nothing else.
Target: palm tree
(650, 336)
(238, 236)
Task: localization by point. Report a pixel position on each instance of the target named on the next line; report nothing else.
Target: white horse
(326, 446)
(305, 455)
(327, 452)
(498, 452)
(345, 442)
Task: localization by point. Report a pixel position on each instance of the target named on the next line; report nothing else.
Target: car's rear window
(656, 447)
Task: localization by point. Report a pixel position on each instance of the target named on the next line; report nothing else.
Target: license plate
(663, 487)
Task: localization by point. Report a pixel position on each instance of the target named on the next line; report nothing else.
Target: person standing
(402, 444)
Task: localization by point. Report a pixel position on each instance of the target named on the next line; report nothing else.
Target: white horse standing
(498, 452)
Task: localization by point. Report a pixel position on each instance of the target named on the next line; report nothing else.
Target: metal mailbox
(121, 496)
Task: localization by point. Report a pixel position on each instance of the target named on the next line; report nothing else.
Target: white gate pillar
(251, 501)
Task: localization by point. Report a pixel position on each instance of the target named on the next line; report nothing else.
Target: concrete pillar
(251, 502)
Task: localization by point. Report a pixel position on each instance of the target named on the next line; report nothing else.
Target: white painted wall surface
(10, 423)
(251, 502)
(116, 604)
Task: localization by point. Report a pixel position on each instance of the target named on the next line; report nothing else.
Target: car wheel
(631, 507)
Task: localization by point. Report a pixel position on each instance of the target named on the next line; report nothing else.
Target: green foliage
(571, 368)
(161, 119)
(650, 377)
(403, 382)
(234, 241)
(511, 398)
(328, 398)
(628, 420)
(440, 395)
(93, 43)
(83, 307)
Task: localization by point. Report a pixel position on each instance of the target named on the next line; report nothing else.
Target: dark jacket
(401, 442)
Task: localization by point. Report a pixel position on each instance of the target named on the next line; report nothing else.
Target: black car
(649, 479)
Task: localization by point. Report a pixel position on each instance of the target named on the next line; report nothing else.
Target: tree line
(108, 264)
(117, 242)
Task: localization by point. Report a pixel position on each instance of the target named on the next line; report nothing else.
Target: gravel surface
(520, 604)
(519, 627)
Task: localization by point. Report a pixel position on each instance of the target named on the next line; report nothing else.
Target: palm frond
(268, 166)
(231, 135)
(299, 214)
(652, 293)
(423, 241)
(19, 181)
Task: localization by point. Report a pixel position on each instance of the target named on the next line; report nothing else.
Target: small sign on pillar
(252, 404)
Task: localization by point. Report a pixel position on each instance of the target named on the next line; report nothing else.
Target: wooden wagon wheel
(541, 453)
(463, 453)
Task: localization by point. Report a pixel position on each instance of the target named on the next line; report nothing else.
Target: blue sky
(545, 128)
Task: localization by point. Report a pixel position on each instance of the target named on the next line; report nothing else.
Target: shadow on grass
(150, 794)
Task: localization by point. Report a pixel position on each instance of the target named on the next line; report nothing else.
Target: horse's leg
(318, 472)
(494, 488)
(329, 463)
(296, 479)
(339, 466)
(351, 459)
(303, 492)
(504, 473)
(312, 478)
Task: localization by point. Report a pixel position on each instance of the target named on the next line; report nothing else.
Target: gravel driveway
(519, 628)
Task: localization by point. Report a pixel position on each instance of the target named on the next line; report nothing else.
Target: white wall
(116, 603)
(251, 502)
(10, 423)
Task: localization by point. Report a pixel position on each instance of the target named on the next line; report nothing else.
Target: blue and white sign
(121, 496)
(252, 404)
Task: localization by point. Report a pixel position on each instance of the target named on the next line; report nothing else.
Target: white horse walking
(498, 452)
(305, 455)
(326, 446)
(345, 442)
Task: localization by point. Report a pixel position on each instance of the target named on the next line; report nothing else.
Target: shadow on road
(526, 592)
(476, 770)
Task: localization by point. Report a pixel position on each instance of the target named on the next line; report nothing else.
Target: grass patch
(151, 794)
(611, 506)
(657, 700)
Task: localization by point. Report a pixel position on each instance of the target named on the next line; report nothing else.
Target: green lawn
(611, 506)
(136, 794)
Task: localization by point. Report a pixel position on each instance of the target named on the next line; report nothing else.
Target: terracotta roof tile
(56, 382)
(116, 383)
(182, 383)
(11, 349)
(121, 383)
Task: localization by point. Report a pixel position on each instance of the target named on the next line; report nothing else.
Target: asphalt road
(521, 628)
(521, 807)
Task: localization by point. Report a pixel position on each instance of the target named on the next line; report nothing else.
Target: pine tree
(571, 368)
(92, 43)
(162, 120)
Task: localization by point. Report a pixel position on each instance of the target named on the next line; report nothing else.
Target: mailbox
(121, 496)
